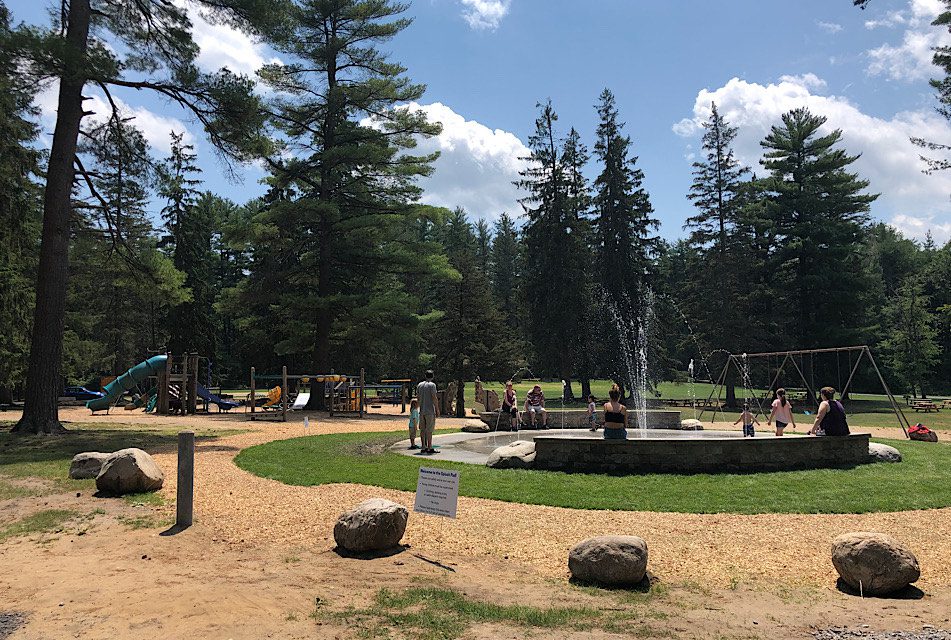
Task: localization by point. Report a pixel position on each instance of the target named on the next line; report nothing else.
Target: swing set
(797, 361)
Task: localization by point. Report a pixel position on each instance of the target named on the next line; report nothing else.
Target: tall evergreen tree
(554, 244)
(624, 244)
(910, 343)
(820, 212)
(145, 45)
(483, 247)
(506, 272)
(190, 219)
(341, 107)
(20, 204)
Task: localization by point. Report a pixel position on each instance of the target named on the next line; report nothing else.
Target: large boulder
(609, 560)
(373, 525)
(516, 455)
(87, 465)
(129, 471)
(475, 426)
(873, 563)
(878, 452)
(691, 425)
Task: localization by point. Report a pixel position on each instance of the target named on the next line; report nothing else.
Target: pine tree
(351, 179)
(506, 272)
(554, 245)
(819, 213)
(483, 247)
(624, 244)
(20, 206)
(144, 45)
(190, 219)
(911, 345)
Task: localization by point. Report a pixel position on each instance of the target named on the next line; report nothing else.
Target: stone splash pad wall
(698, 455)
(578, 419)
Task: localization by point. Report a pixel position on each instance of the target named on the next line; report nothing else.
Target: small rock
(475, 426)
(373, 525)
(874, 563)
(516, 455)
(609, 560)
(87, 465)
(878, 452)
(691, 425)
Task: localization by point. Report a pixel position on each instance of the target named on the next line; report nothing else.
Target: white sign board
(437, 492)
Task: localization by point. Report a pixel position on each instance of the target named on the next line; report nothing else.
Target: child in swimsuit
(748, 420)
(592, 417)
(413, 422)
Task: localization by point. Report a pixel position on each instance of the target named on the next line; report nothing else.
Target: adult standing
(428, 401)
(782, 412)
(830, 418)
(615, 416)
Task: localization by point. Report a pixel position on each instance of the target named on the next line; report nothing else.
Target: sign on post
(437, 492)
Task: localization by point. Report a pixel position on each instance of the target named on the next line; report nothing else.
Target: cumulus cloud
(485, 14)
(911, 59)
(156, 128)
(476, 165)
(222, 46)
(888, 159)
(829, 27)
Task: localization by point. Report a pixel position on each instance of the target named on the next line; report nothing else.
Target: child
(748, 420)
(592, 417)
(413, 422)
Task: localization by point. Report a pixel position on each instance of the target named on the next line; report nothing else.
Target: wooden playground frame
(319, 379)
(790, 357)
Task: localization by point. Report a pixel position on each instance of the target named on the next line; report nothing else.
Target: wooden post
(362, 381)
(183, 390)
(192, 383)
(284, 393)
(402, 397)
(252, 393)
(185, 496)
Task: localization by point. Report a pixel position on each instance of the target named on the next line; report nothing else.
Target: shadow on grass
(911, 592)
(644, 586)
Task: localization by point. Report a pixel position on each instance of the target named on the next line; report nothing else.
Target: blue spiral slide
(126, 381)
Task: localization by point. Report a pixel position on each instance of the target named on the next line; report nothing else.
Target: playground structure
(166, 384)
(788, 359)
(343, 394)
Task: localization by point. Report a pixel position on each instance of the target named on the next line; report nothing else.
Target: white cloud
(476, 165)
(918, 227)
(485, 14)
(912, 58)
(829, 27)
(223, 46)
(156, 128)
(888, 160)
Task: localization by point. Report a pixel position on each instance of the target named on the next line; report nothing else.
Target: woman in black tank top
(830, 419)
(615, 416)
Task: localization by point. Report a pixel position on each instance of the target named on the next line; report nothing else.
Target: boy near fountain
(592, 415)
(748, 420)
(413, 422)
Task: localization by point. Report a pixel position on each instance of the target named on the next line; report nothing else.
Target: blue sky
(488, 62)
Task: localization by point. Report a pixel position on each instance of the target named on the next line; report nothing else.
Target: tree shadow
(911, 592)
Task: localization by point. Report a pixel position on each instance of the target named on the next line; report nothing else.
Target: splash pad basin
(578, 419)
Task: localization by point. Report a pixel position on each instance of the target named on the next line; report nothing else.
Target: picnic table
(924, 405)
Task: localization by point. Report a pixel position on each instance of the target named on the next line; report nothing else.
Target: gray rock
(373, 525)
(878, 452)
(129, 471)
(87, 465)
(475, 426)
(609, 560)
(691, 425)
(874, 563)
(516, 455)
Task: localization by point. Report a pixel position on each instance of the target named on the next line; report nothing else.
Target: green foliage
(343, 458)
(911, 339)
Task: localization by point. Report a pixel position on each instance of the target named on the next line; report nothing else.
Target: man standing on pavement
(428, 400)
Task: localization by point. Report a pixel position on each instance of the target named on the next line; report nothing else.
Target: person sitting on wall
(830, 418)
(510, 405)
(615, 416)
(535, 404)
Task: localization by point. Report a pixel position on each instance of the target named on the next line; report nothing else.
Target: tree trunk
(40, 412)
(585, 389)
(731, 394)
(568, 395)
(6, 395)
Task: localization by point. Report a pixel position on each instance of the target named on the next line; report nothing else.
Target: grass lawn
(364, 459)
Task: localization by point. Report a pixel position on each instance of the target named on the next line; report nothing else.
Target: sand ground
(261, 552)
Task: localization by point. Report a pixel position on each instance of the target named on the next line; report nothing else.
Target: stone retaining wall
(578, 419)
(706, 455)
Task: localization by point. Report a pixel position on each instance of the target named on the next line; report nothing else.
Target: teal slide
(126, 381)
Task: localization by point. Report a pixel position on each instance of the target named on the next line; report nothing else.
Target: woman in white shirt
(782, 412)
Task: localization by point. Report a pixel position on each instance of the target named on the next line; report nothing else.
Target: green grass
(431, 613)
(364, 459)
(41, 522)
